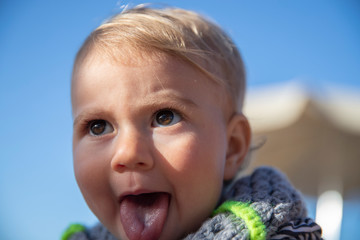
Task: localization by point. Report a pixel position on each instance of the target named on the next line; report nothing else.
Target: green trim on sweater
(244, 211)
(71, 230)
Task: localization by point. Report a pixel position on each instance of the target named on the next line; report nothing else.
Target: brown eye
(164, 118)
(100, 127)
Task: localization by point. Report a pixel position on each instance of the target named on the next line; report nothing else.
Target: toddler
(159, 136)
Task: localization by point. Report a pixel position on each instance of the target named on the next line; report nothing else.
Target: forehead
(134, 58)
(161, 69)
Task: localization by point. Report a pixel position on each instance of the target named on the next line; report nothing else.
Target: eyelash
(85, 126)
(167, 109)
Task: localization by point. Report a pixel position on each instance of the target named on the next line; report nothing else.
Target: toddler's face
(150, 143)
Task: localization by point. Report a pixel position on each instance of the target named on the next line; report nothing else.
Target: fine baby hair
(177, 32)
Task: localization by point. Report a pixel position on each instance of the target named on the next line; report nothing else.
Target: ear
(238, 137)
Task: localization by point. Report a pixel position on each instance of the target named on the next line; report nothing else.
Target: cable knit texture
(266, 191)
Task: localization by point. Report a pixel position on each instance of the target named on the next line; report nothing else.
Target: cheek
(91, 176)
(195, 171)
(84, 166)
(194, 164)
(90, 162)
(193, 148)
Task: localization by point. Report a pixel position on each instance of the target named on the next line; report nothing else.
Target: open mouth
(143, 216)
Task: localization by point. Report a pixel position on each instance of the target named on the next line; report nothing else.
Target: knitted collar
(254, 207)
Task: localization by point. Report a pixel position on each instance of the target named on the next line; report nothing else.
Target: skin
(188, 157)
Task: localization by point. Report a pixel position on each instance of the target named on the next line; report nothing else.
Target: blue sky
(316, 42)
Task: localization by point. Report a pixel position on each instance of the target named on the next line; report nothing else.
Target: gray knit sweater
(278, 207)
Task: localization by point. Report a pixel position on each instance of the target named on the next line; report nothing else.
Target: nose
(132, 153)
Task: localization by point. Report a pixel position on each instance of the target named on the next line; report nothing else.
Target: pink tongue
(144, 215)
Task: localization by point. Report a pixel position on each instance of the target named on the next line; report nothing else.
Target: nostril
(119, 167)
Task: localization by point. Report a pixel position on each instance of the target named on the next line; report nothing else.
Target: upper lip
(137, 192)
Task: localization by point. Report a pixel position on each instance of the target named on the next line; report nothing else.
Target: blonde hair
(177, 32)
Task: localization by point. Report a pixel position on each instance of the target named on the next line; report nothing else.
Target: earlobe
(239, 138)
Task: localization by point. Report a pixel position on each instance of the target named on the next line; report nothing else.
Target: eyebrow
(88, 114)
(169, 98)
